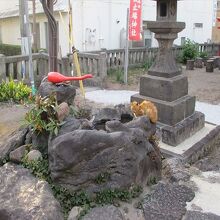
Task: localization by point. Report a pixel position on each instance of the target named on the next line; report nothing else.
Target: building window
(198, 25)
(163, 9)
(183, 39)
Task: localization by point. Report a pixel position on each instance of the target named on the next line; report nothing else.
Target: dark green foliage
(10, 50)
(203, 54)
(152, 181)
(190, 51)
(14, 91)
(4, 160)
(80, 112)
(148, 64)
(102, 178)
(113, 196)
(43, 117)
(116, 74)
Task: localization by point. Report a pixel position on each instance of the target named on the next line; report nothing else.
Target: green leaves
(43, 117)
(14, 91)
(190, 51)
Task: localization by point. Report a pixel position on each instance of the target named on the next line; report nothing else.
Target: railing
(95, 62)
(17, 67)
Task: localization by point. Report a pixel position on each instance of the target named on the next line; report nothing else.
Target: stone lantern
(165, 85)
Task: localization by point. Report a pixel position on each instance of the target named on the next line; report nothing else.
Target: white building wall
(98, 23)
(102, 16)
(196, 11)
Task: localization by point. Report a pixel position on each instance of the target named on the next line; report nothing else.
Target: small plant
(14, 91)
(190, 51)
(102, 178)
(113, 196)
(80, 112)
(203, 54)
(43, 117)
(116, 74)
(148, 64)
(152, 181)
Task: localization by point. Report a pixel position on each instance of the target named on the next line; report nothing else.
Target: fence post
(2, 68)
(102, 66)
(42, 65)
(66, 66)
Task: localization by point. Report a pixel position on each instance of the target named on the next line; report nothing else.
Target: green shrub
(43, 116)
(190, 51)
(148, 64)
(203, 54)
(117, 74)
(10, 50)
(14, 91)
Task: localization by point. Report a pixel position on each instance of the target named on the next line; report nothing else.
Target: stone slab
(195, 147)
(166, 89)
(174, 135)
(167, 202)
(170, 113)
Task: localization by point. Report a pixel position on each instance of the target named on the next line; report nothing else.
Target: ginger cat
(145, 108)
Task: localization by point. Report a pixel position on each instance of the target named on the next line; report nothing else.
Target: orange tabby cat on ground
(145, 108)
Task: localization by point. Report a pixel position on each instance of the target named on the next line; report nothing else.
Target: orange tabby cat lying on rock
(145, 108)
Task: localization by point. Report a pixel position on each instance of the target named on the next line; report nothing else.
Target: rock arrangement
(122, 152)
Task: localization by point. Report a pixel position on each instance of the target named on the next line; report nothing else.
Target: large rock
(167, 202)
(23, 197)
(64, 92)
(16, 140)
(77, 159)
(108, 212)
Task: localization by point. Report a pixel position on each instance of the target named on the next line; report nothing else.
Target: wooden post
(2, 68)
(210, 66)
(102, 66)
(52, 34)
(190, 65)
(66, 70)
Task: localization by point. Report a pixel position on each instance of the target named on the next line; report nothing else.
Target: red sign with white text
(135, 20)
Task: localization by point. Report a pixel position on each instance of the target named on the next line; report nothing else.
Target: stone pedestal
(167, 87)
(210, 66)
(199, 63)
(190, 65)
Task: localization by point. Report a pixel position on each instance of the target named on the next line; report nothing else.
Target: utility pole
(126, 51)
(34, 26)
(26, 38)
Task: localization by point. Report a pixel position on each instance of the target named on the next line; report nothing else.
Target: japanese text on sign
(135, 20)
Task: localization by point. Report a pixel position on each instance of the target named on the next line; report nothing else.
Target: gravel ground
(205, 86)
